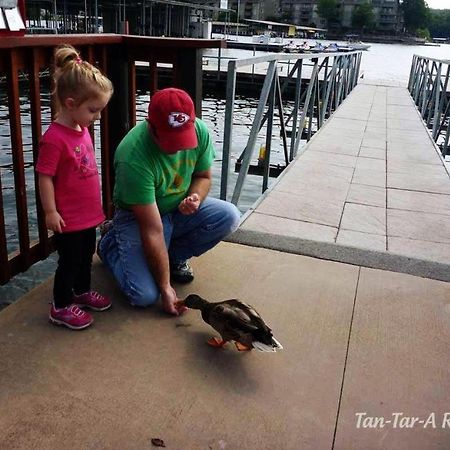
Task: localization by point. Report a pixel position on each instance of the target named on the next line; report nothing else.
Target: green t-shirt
(145, 174)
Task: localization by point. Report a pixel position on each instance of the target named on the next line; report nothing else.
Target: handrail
(429, 86)
(23, 60)
(331, 79)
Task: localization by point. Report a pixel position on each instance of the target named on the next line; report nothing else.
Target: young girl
(69, 186)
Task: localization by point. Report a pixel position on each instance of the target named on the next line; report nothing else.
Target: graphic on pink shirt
(85, 158)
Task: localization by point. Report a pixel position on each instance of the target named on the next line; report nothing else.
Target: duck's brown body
(235, 321)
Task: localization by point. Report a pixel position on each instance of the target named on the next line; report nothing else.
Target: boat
(354, 43)
(318, 48)
(358, 45)
(331, 48)
(291, 47)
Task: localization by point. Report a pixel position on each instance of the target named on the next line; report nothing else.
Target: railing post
(228, 128)
(269, 132)
(411, 72)
(298, 87)
(188, 75)
(441, 104)
(307, 105)
(436, 98)
(119, 122)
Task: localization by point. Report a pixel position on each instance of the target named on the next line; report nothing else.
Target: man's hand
(54, 222)
(189, 205)
(170, 302)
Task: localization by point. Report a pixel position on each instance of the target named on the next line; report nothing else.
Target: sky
(438, 4)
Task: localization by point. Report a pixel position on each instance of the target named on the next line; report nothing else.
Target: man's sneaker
(92, 300)
(104, 227)
(181, 272)
(71, 316)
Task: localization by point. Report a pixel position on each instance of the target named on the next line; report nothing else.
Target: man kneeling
(163, 213)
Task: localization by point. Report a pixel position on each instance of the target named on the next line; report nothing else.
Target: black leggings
(73, 274)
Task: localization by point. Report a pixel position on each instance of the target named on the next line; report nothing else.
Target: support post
(188, 75)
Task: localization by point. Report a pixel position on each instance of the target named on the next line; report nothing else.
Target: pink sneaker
(71, 316)
(92, 300)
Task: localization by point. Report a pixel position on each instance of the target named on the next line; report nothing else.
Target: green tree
(439, 25)
(327, 9)
(415, 13)
(363, 16)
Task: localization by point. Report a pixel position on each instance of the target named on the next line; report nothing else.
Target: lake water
(387, 62)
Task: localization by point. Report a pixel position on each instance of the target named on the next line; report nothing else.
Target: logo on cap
(178, 119)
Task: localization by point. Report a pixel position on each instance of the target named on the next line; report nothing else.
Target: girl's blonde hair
(77, 78)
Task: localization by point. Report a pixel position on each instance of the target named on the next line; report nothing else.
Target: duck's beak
(180, 306)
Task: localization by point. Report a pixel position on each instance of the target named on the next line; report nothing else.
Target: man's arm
(152, 237)
(198, 190)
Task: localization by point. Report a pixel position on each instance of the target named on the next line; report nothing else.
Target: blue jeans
(121, 249)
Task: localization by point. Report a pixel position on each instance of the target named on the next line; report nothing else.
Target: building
(252, 9)
(304, 12)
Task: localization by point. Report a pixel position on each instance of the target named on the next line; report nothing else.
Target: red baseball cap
(171, 114)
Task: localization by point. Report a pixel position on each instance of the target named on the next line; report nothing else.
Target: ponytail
(77, 78)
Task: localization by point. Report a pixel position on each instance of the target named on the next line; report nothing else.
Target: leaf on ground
(157, 442)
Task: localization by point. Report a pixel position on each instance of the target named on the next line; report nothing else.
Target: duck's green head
(194, 301)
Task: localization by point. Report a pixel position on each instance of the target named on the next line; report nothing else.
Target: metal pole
(228, 128)
(85, 16)
(143, 17)
(96, 15)
(266, 169)
(55, 21)
(237, 18)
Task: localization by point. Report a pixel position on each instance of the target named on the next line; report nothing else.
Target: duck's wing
(247, 313)
(231, 322)
(262, 337)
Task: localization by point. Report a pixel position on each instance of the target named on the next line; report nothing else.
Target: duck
(234, 321)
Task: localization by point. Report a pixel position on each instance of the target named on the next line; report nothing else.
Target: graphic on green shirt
(145, 174)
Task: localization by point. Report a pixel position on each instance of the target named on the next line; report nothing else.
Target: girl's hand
(54, 222)
(189, 205)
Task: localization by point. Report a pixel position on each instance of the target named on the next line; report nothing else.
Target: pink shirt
(68, 156)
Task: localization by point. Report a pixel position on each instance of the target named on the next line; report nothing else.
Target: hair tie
(78, 60)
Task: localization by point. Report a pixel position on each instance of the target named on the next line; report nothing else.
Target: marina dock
(347, 258)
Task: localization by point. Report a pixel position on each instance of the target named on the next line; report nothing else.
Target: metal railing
(23, 61)
(321, 83)
(429, 87)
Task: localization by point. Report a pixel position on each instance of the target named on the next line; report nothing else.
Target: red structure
(12, 18)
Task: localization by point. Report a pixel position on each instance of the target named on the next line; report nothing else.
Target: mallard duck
(235, 321)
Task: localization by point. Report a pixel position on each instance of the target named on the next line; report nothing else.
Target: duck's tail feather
(278, 346)
(267, 348)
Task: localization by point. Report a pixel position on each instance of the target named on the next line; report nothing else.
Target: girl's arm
(53, 220)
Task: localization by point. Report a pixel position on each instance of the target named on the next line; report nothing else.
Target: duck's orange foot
(216, 342)
(242, 347)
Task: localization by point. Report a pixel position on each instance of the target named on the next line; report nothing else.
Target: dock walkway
(370, 188)
(361, 343)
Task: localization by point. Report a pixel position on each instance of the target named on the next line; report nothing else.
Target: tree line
(418, 18)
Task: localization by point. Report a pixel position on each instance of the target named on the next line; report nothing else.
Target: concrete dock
(365, 363)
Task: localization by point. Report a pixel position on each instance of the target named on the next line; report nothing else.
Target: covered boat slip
(365, 363)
